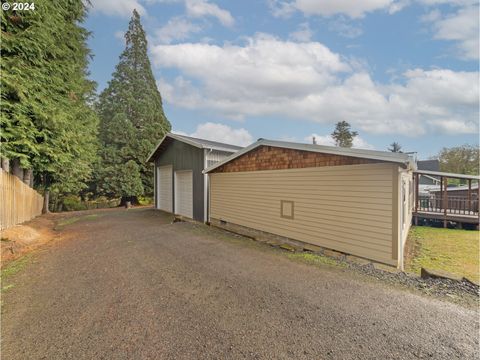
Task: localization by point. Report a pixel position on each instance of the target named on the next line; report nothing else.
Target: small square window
(286, 209)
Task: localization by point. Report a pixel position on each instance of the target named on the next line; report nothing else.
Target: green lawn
(455, 251)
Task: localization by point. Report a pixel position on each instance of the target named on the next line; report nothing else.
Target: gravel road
(131, 285)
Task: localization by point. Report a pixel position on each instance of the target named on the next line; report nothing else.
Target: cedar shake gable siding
(276, 158)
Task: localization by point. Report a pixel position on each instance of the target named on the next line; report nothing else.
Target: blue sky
(235, 71)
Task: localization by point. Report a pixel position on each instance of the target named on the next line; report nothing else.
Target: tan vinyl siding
(345, 208)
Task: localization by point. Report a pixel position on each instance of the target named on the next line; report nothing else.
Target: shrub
(145, 200)
(73, 203)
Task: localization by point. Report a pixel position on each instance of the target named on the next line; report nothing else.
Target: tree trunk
(46, 194)
(133, 201)
(46, 200)
(16, 169)
(28, 177)
(5, 164)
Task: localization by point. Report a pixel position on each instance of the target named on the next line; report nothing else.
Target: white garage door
(184, 193)
(164, 188)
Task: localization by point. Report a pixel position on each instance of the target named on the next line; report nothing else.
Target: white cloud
(353, 9)
(123, 8)
(179, 132)
(264, 65)
(449, 2)
(302, 34)
(454, 126)
(461, 27)
(345, 27)
(194, 9)
(270, 77)
(177, 28)
(358, 141)
(202, 8)
(221, 133)
(281, 8)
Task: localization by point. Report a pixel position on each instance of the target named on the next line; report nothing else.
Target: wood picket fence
(18, 201)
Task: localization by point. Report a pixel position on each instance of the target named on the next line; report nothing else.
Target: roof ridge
(360, 153)
(207, 140)
(196, 142)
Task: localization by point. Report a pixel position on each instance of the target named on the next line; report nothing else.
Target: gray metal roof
(208, 144)
(430, 165)
(454, 188)
(359, 153)
(448, 175)
(199, 143)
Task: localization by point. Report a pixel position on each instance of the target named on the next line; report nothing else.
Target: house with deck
(447, 202)
(353, 201)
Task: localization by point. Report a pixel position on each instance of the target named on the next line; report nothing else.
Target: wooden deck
(459, 204)
(471, 218)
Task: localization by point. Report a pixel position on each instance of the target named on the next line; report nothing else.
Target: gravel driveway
(130, 285)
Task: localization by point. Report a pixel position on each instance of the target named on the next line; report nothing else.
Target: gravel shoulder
(131, 285)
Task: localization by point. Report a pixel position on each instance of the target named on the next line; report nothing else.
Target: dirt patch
(411, 250)
(21, 239)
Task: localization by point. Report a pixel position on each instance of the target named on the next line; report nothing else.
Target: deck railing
(459, 205)
(454, 205)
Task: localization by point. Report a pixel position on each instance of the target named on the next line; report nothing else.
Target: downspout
(206, 187)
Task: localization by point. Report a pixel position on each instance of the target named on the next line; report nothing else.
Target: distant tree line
(464, 159)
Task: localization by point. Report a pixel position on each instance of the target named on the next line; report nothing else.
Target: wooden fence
(18, 202)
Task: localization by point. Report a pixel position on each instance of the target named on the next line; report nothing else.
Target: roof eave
(187, 141)
(149, 158)
(172, 136)
(445, 174)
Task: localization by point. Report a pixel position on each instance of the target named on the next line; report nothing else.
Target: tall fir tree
(395, 147)
(47, 123)
(342, 134)
(132, 120)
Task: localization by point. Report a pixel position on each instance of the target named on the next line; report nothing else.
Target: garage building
(354, 201)
(180, 186)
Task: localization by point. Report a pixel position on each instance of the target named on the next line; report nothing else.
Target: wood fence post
(417, 177)
(470, 207)
(445, 202)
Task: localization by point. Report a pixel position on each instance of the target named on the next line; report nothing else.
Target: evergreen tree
(46, 121)
(342, 134)
(395, 147)
(132, 120)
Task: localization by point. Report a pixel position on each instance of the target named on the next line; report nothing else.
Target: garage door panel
(164, 188)
(184, 193)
